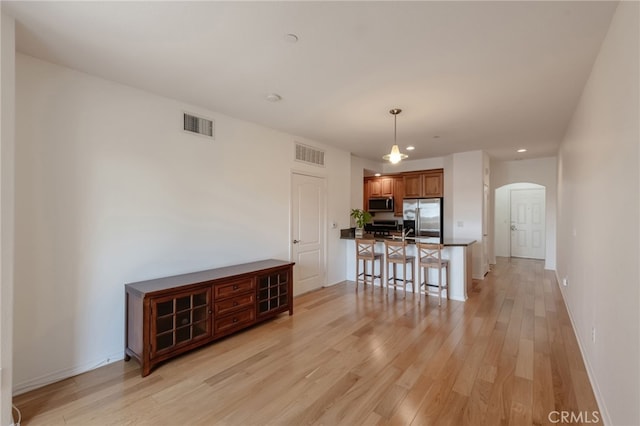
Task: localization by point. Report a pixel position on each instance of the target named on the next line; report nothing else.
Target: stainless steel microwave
(380, 204)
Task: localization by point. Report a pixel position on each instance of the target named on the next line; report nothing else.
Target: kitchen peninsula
(458, 251)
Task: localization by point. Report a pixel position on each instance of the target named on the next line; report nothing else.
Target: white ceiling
(495, 76)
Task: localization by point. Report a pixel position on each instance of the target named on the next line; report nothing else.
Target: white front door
(308, 232)
(528, 223)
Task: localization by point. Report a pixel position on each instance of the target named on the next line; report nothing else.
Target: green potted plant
(361, 217)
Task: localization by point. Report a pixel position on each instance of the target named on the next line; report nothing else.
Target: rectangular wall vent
(199, 125)
(309, 155)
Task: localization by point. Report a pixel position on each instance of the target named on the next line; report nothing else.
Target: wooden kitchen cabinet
(169, 316)
(381, 187)
(398, 195)
(412, 185)
(432, 184)
(423, 184)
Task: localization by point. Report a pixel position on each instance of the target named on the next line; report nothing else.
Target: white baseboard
(604, 414)
(56, 376)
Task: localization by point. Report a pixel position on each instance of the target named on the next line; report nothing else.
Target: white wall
(487, 213)
(7, 200)
(358, 166)
(412, 165)
(448, 178)
(598, 220)
(541, 171)
(110, 190)
(467, 196)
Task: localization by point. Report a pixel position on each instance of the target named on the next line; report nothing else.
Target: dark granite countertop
(448, 242)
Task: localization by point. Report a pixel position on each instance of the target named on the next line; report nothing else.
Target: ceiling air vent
(309, 155)
(199, 125)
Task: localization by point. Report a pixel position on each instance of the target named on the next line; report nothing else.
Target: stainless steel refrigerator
(424, 217)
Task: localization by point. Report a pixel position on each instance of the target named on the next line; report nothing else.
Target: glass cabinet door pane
(164, 341)
(183, 318)
(199, 329)
(165, 308)
(164, 324)
(199, 299)
(264, 282)
(183, 334)
(199, 314)
(183, 303)
(263, 295)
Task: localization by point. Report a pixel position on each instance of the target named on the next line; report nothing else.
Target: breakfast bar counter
(458, 251)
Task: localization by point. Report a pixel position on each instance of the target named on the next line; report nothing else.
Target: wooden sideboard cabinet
(169, 316)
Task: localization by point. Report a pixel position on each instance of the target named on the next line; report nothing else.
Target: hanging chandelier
(395, 156)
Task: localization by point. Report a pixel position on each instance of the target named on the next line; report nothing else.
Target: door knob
(296, 241)
(513, 228)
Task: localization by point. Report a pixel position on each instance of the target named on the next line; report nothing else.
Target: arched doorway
(520, 221)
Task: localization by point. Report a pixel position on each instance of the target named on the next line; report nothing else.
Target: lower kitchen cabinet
(169, 316)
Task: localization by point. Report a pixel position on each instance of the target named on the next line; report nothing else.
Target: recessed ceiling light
(522, 150)
(377, 174)
(410, 148)
(436, 137)
(291, 38)
(273, 97)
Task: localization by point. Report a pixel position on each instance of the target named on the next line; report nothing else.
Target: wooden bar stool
(396, 254)
(365, 252)
(430, 257)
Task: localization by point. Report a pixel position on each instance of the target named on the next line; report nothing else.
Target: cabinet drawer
(232, 288)
(233, 321)
(228, 305)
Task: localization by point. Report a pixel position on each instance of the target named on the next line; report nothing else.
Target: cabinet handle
(210, 311)
(235, 287)
(235, 319)
(235, 303)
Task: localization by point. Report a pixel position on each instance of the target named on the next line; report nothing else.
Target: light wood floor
(506, 356)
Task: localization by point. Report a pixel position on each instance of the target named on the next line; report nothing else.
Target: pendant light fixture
(395, 156)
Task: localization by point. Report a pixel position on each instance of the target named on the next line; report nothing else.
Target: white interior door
(308, 233)
(528, 223)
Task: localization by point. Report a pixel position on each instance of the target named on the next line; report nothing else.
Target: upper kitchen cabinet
(398, 196)
(432, 183)
(423, 184)
(384, 187)
(412, 186)
(381, 187)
